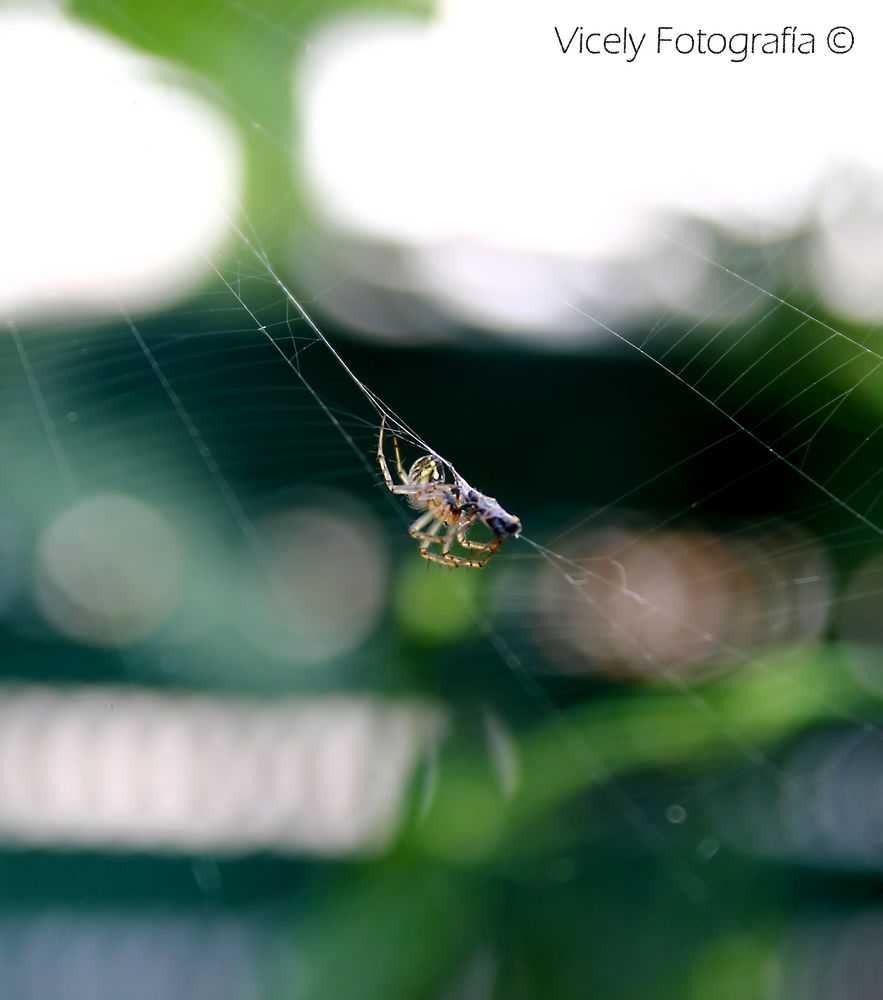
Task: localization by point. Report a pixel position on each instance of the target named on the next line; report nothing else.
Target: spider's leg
(467, 543)
(395, 444)
(446, 559)
(412, 489)
(478, 546)
(416, 529)
(458, 529)
(381, 457)
(492, 548)
(430, 537)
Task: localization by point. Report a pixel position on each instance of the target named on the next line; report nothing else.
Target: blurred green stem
(739, 717)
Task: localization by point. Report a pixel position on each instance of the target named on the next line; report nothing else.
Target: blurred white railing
(128, 768)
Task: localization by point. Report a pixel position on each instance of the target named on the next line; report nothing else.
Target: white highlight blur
(129, 769)
(472, 135)
(644, 604)
(115, 180)
(109, 571)
(327, 586)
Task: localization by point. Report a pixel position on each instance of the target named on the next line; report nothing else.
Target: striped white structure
(127, 768)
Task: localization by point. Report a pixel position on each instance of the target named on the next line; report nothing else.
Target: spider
(456, 506)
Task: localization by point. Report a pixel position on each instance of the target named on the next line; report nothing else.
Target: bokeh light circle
(108, 571)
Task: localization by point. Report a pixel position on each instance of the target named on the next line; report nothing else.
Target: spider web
(801, 448)
(251, 321)
(240, 403)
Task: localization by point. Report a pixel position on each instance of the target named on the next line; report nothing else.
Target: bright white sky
(114, 182)
(478, 126)
(476, 133)
(470, 137)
